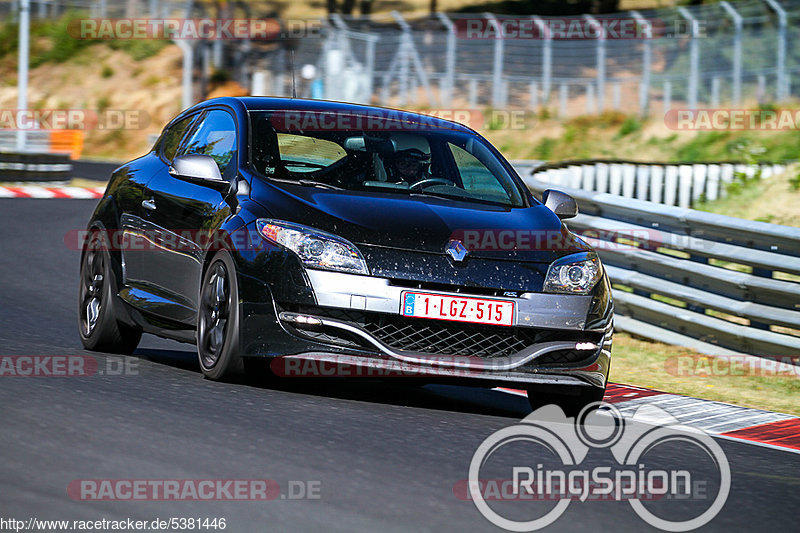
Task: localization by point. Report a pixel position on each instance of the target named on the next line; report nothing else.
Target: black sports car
(333, 236)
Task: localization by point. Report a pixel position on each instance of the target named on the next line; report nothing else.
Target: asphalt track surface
(386, 454)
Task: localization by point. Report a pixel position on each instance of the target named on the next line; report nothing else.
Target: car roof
(268, 103)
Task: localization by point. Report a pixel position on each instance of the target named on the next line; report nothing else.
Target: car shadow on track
(406, 392)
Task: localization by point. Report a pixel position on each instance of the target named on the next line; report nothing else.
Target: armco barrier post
(601, 170)
(656, 183)
(587, 182)
(615, 178)
(642, 181)
(671, 184)
(628, 180)
(685, 186)
(712, 182)
(698, 181)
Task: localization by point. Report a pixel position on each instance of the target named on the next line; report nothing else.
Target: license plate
(458, 308)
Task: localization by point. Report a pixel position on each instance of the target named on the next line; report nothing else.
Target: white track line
(715, 418)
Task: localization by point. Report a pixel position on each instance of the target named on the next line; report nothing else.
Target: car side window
(172, 137)
(476, 178)
(215, 136)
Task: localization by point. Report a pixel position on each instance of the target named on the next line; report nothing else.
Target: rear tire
(571, 404)
(218, 321)
(97, 323)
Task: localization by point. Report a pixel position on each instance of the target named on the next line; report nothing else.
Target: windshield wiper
(309, 183)
(462, 198)
(312, 183)
(305, 164)
(441, 195)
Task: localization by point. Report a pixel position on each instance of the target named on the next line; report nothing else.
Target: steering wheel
(427, 181)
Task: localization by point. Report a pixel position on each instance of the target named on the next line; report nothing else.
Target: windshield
(395, 159)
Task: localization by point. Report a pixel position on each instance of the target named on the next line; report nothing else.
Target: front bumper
(356, 324)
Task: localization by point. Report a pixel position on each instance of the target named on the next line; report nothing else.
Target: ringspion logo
(644, 468)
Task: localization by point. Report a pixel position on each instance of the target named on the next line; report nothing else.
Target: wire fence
(741, 53)
(726, 53)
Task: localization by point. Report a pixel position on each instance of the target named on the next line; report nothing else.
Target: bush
(630, 125)
(103, 103)
(544, 150)
(794, 182)
(138, 49)
(52, 41)
(220, 76)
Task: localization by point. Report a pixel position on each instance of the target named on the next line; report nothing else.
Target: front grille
(450, 338)
(426, 336)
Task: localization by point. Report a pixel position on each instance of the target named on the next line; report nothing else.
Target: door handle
(149, 204)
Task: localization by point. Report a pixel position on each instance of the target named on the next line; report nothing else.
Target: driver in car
(411, 159)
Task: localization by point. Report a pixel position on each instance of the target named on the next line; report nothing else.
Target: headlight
(317, 249)
(573, 274)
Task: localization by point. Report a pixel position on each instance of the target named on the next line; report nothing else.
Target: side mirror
(199, 169)
(560, 203)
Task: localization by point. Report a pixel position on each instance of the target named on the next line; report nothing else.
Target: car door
(181, 216)
(137, 244)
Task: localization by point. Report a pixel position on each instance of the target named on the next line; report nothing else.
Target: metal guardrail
(714, 283)
(681, 184)
(68, 142)
(34, 167)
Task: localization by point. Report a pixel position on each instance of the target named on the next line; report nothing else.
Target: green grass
(630, 125)
(655, 365)
(625, 136)
(53, 41)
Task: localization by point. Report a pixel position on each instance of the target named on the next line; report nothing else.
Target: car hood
(422, 224)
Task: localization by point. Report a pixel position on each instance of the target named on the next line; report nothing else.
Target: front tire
(97, 323)
(218, 321)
